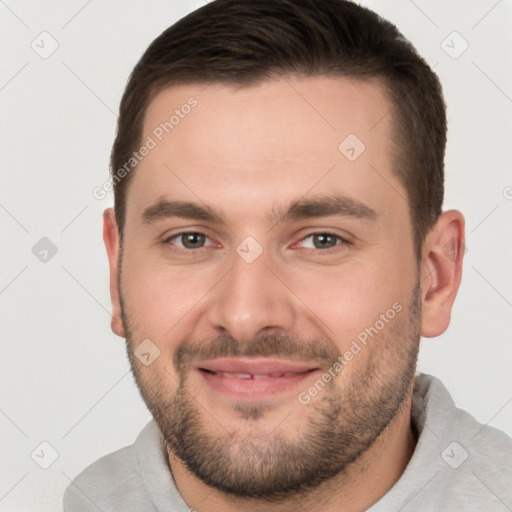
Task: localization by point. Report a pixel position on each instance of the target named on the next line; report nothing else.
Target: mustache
(289, 347)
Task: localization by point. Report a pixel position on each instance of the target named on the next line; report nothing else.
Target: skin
(244, 152)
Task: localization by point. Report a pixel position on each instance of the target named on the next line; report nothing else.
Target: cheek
(160, 298)
(351, 298)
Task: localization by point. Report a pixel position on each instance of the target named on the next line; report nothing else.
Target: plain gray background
(64, 376)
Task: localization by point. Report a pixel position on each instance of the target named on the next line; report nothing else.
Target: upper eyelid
(167, 235)
(199, 232)
(341, 238)
(327, 231)
(181, 233)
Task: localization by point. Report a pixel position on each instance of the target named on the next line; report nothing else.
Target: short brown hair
(244, 42)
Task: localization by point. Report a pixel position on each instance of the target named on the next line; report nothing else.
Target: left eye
(321, 241)
(190, 240)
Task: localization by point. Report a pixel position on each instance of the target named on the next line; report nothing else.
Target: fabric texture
(458, 464)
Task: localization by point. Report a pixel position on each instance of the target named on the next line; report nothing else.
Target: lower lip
(254, 389)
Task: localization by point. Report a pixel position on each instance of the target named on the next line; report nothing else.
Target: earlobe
(111, 239)
(441, 272)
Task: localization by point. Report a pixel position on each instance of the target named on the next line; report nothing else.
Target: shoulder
(113, 482)
(435, 407)
(472, 459)
(489, 455)
(108, 484)
(458, 463)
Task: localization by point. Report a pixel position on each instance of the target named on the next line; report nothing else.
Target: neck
(361, 485)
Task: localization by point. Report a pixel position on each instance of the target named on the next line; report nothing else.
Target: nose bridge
(250, 298)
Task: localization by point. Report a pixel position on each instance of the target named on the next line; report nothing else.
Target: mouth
(253, 378)
(230, 375)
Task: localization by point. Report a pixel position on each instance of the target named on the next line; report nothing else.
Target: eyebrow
(322, 206)
(164, 209)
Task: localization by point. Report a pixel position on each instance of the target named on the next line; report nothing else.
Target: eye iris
(324, 240)
(193, 240)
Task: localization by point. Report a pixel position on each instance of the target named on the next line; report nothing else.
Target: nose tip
(242, 325)
(251, 301)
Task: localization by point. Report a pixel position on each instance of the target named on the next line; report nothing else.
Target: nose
(250, 300)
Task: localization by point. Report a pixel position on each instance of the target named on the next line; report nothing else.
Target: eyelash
(180, 250)
(339, 242)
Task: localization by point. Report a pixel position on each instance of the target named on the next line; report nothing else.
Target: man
(277, 248)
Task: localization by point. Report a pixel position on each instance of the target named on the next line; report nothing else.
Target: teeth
(236, 375)
(249, 376)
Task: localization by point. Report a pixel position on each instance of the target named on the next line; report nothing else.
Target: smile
(252, 379)
(254, 376)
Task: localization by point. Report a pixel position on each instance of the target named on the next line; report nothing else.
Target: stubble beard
(340, 427)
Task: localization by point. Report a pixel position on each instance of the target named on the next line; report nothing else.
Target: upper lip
(254, 366)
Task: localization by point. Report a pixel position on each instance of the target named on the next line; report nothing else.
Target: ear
(441, 272)
(111, 239)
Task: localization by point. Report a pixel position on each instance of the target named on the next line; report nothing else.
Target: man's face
(259, 254)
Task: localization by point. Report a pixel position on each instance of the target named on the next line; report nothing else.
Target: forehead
(279, 115)
(282, 135)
